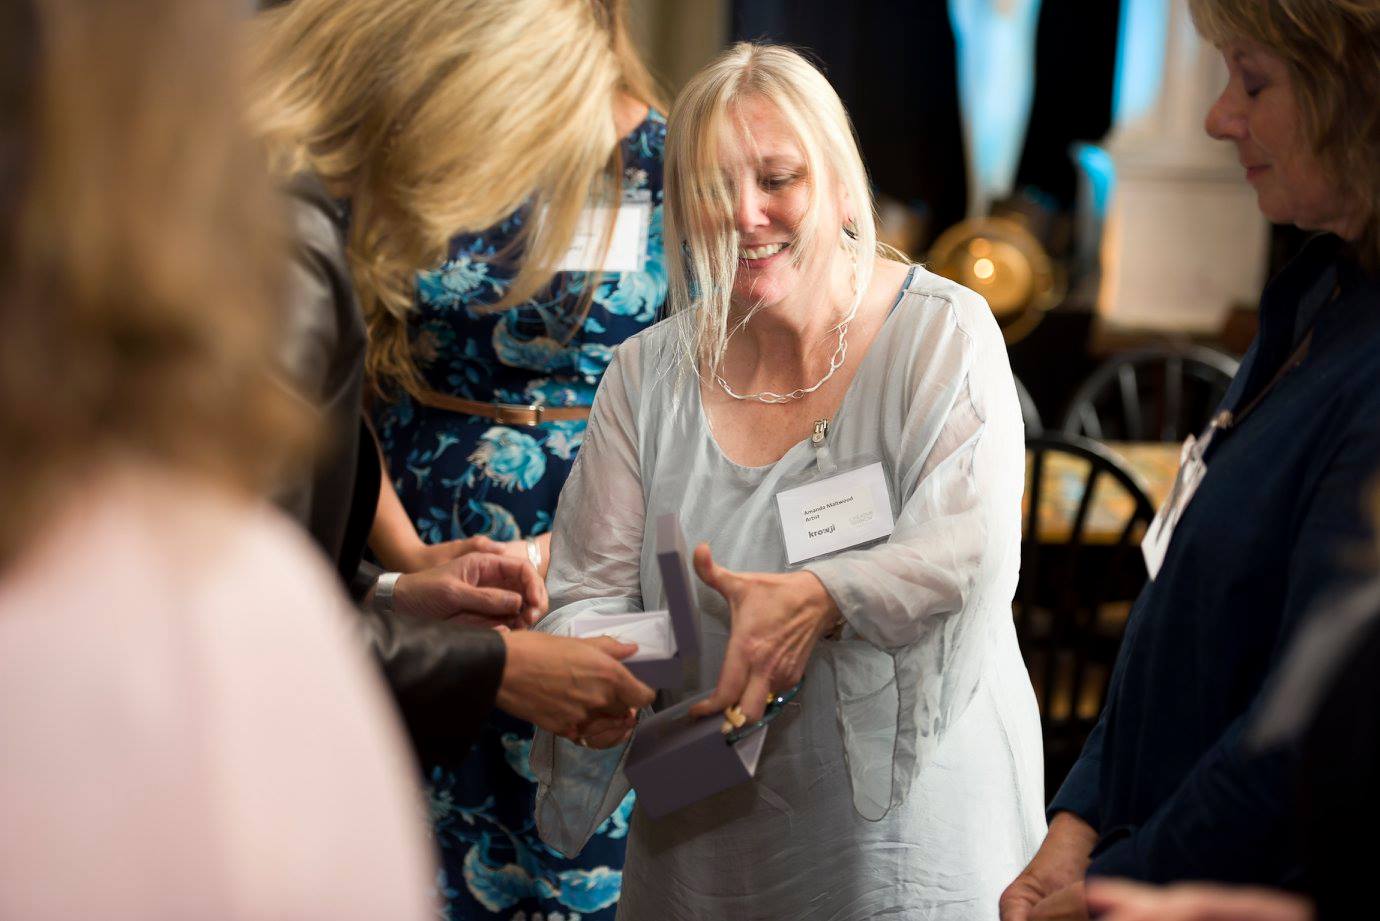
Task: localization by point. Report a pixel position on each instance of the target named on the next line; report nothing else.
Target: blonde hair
(437, 117)
(633, 76)
(702, 248)
(1332, 51)
(140, 261)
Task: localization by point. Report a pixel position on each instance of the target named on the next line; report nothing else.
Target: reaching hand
(608, 731)
(1122, 901)
(430, 556)
(1061, 862)
(572, 687)
(777, 619)
(1068, 904)
(494, 588)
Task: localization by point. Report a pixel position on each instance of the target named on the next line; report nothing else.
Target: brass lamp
(1003, 261)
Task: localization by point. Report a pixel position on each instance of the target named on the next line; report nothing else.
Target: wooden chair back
(1076, 587)
(1158, 394)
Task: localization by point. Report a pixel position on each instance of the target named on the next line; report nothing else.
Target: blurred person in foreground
(1119, 900)
(904, 779)
(1167, 787)
(396, 124)
(176, 662)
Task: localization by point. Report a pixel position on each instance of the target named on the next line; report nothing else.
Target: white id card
(835, 513)
(1192, 469)
(627, 250)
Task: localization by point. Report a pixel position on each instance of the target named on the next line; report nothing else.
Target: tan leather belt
(503, 413)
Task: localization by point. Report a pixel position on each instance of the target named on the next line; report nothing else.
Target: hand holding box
(666, 639)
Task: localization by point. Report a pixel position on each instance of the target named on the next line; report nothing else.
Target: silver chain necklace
(768, 396)
(840, 355)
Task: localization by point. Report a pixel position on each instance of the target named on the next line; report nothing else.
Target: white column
(1184, 241)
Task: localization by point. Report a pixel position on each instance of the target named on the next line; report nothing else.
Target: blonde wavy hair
(438, 117)
(702, 253)
(140, 262)
(1332, 51)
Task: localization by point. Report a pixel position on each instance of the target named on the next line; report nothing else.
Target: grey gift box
(666, 639)
(675, 760)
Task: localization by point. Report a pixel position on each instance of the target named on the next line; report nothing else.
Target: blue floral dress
(460, 475)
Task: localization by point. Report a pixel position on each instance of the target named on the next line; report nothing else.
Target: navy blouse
(1281, 522)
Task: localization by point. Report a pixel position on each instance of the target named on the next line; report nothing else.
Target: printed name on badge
(835, 513)
(627, 250)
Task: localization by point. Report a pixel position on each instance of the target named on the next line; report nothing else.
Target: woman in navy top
(1166, 787)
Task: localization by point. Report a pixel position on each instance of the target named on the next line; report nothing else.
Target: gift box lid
(673, 559)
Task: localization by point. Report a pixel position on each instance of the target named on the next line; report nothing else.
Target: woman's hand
(478, 587)
(576, 688)
(436, 554)
(1118, 900)
(428, 556)
(777, 619)
(606, 731)
(1060, 864)
(1068, 904)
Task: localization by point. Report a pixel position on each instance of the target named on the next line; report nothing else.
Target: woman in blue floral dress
(461, 475)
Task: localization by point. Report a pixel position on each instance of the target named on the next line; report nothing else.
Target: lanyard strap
(1227, 418)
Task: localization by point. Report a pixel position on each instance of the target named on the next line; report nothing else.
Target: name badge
(835, 513)
(1192, 469)
(627, 250)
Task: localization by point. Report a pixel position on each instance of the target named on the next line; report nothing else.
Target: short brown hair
(140, 258)
(1332, 50)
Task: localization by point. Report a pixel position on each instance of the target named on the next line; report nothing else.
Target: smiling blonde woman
(905, 779)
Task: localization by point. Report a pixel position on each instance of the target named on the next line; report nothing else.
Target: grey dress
(905, 780)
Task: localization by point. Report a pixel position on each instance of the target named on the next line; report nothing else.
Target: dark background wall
(893, 63)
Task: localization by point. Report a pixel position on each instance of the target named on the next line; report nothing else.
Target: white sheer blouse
(907, 776)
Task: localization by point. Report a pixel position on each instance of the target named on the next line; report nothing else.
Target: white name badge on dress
(627, 250)
(1192, 469)
(835, 513)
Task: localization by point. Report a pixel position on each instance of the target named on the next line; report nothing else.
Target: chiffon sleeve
(922, 607)
(596, 550)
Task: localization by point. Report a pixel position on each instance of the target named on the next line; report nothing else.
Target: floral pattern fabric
(460, 475)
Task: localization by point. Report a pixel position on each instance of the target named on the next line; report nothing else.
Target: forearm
(1229, 820)
(1072, 839)
(1061, 862)
(957, 536)
(393, 539)
(444, 678)
(889, 595)
(1079, 794)
(817, 607)
(543, 547)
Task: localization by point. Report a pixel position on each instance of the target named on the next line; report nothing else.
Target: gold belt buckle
(514, 414)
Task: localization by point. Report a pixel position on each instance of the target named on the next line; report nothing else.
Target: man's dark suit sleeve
(444, 677)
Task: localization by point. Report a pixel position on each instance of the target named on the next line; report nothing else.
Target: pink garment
(188, 728)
